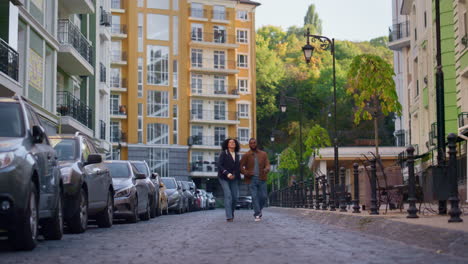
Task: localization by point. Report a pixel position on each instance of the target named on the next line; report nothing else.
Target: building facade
(182, 80)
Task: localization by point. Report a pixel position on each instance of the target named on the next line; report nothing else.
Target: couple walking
(254, 165)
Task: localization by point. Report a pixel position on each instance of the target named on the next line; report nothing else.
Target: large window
(197, 32)
(157, 133)
(242, 15)
(115, 24)
(158, 28)
(140, 123)
(114, 104)
(220, 110)
(219, 34)
(242, 36)
(114, 131)
(197, 83)
(140, 32)
(157, 65)
(219, 84)
(140, 77)
(220, 135)
(158, 104)
(175, 79)
(159, 4)
(243, 110)
(242, 61)
(219, 59)
(115, 78)
(159, 161)
(175, 35)
(175, 125)
(243, 85)
(196, 10)
(197, 109)
(219, 12)
(197, 58)
(243, 134)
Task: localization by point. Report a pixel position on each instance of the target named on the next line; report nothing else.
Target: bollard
(356, 189)
(373, 184)
(311, 198)
(331, 179)
(317, 195)
(343, 190)
(324, 193)
(454, 211)
(412, 210)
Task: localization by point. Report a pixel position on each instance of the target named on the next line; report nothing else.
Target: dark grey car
(175, 197)
(30, 192)
(153, 186)
(87, 184)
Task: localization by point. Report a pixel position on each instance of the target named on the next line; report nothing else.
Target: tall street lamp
(326, 43)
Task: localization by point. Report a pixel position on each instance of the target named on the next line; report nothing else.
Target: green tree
(312, 20)
(371, 84)
(317, 138)
(289, 160)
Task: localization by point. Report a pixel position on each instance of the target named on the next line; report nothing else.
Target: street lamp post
(326, 43)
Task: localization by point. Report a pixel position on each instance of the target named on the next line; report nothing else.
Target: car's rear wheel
(78, 223)
(147, 214)
(106, 217)
(53, 227)
(25, 235)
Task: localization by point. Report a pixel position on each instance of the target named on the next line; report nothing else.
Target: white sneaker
(257, 219)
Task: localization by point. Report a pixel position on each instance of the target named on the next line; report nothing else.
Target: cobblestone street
(283, 236)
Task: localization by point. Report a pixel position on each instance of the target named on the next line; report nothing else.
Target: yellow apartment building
(182, 80)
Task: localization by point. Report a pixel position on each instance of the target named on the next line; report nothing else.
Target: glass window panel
(159, 4)
(161, 29)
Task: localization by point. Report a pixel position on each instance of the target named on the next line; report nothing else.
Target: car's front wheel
(25, 235)
(146, 215)
(53, 227)
(78, 223)
(106, 217)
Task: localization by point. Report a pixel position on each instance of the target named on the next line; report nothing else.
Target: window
(220, 110)
(159, 32)
(197, 109)
(175, 79)
(114, 131)
(197, 58)
(175, 4)
(243, 110)
(197, 32)
(175, 124)
(158, 104)
(175, 35)
(140, 77)
(197, 156)
(242, 61)
(140, 123)
(243, 85)
(141, 3)
(115, 78)
(219, 12)
(157, 133)
(219, 34)
(220, 135)
(196, 10)
(197, 83)
(157, 65)
(219, 84)
(242, 15)
(242, 36)
(219, 59)
(159, 161)
(140, 32)
(115, 25)
(159, 4)
(116, 50)
(243, 135)
(114, 104)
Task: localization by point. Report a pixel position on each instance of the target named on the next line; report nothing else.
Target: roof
(248, 2)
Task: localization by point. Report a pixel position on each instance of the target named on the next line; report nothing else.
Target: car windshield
(245, 198)
(65, 148)
(141, 167)
(170, 184)
(10, 114)
(118, 170)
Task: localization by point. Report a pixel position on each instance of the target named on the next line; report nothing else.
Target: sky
(355, 20)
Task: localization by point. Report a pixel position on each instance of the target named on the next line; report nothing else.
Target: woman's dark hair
(225, 143)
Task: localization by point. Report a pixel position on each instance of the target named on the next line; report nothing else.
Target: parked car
(153, 186)
(211, 200)
(132, 198)
(175, 197)
(244, 202)
(163, 200)
(87, 184)
(204, 199)
(30, 183)
(189, 197)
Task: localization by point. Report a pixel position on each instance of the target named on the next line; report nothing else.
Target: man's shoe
(258, 219)
(230, 220)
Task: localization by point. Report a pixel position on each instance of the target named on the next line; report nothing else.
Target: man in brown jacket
(255, 167)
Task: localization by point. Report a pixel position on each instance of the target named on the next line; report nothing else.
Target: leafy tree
(379, 42)
(312, 20)
(371, 85)
(317, 138)
(289, 160)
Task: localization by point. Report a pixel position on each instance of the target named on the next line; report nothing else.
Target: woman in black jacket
(229, 175)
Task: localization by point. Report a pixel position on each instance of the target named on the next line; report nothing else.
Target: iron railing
(102, 130)
(118, 29)
(399, 31)
(206, 140)
(210, 115)
(70, 34)
(220, 15)
(216, 37)
(106, 18)
(203, 166)
(117, 82)
(119, 57)
(214, 89)
(216, 64)
(69, 105)
(8, 60)
(198, 12)
(103, 73)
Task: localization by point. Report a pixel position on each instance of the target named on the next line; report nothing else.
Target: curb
(439, 240)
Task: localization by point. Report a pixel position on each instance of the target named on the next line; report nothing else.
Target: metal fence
(69, 105)
(69, 33)
(8, 60)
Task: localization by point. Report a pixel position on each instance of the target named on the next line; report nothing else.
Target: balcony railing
(117, 136)
(210, 115)
(220, 15)
(198, 12)
(203, 166)
(69, 105)
(218, 64)
(213, 90)
(463, 119)
(103, 73)
(117, 4)
(69, 34)
(106, 18)
(8, 60)
(399, 31)
(207, 140)
(116, 82)
(102, 130)
(119, 57)
(218, 38)
(119, 29)
(121, 110)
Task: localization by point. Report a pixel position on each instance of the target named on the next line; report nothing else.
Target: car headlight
(66, 173)
(124, 192)
(6, 158)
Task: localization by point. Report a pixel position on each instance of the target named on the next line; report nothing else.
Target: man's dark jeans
(258, 189)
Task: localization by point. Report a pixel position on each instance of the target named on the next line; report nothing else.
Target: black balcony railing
(117, 136)
(203, 166)
(70, 34)
(106, 18)
(8, 60)
(102, 130)
(206, 140)
(210, 115)
(399, 31)
(117, 4)
(216, 37)
(103, 73)
(69, 105)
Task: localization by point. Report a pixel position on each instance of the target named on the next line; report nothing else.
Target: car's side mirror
(140, 176)
(38, 134)
(154, 175)
(94, 158)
